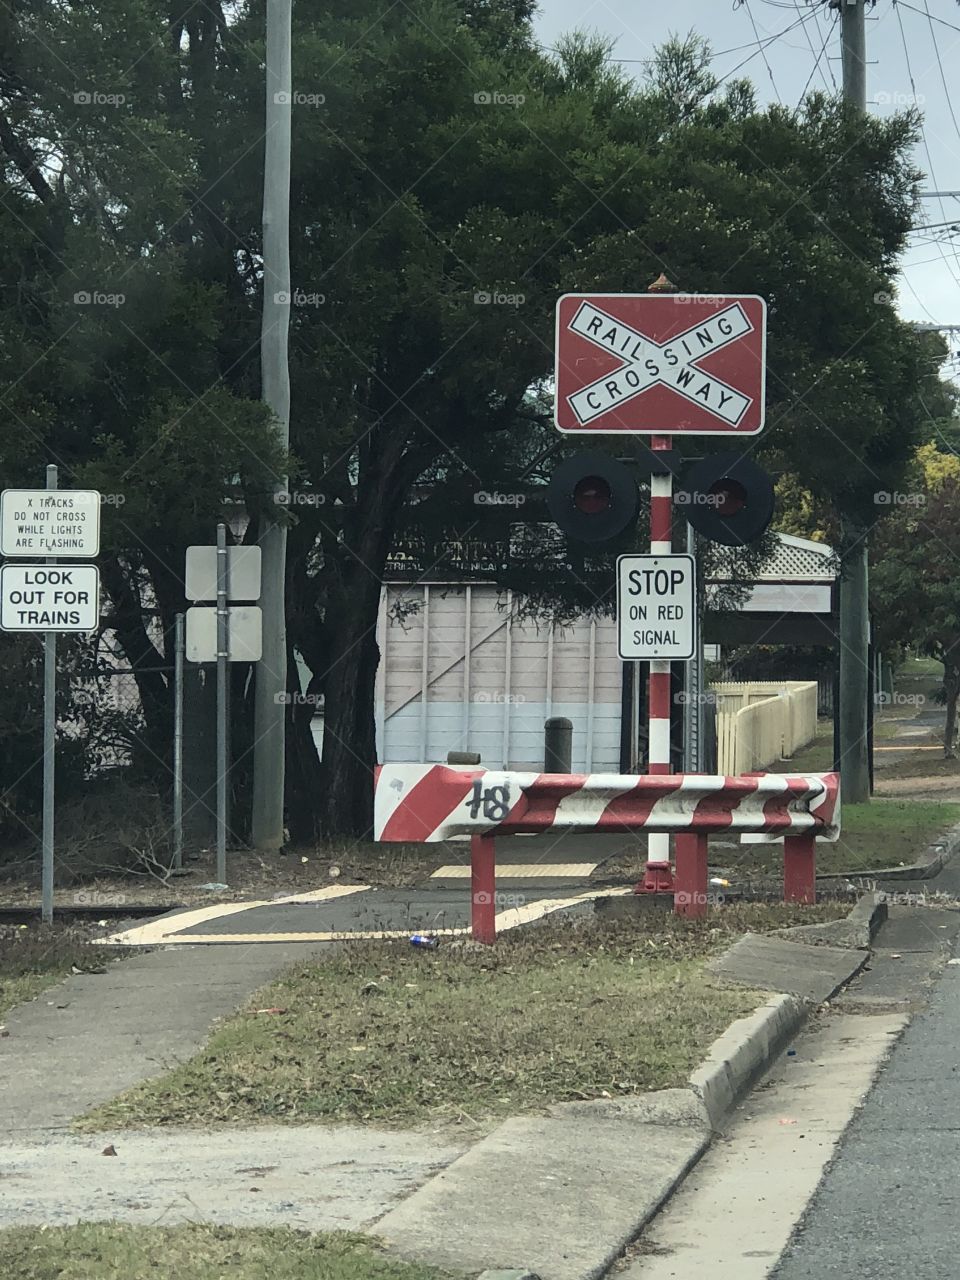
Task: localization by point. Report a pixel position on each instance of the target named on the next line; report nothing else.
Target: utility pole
(854, 600)
(271, 681)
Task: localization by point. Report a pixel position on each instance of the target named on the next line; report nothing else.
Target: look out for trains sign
(660, 364)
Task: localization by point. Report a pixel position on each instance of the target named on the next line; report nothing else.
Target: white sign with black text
(42, 597)
(656, 608)
(50, 522)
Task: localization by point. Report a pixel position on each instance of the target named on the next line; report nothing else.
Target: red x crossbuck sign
(660, 364)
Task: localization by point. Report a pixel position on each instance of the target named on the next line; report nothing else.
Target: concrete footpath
(96, 1034)
(561, 1192)
(316, 1178)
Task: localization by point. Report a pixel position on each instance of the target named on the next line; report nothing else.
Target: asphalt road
(889, 1205)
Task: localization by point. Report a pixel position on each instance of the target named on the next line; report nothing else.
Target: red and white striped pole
(657, 877)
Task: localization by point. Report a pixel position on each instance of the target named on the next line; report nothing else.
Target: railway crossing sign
(656, 607)
(660, 364)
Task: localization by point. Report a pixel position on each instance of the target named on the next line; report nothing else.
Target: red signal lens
(729, 496)
(592, 494)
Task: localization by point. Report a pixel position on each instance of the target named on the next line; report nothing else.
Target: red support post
(800, 868)
(690, 879)
(483, 889)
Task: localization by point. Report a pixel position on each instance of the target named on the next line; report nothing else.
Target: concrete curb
(508, 1274)
(744, 1052)
(930, 863)
(869, 914)
(749, 1046)
(644, 1145)
(856, 931)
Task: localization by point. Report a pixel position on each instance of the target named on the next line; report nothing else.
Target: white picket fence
(762, 721)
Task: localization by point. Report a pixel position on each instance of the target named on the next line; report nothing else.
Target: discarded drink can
(422, 940)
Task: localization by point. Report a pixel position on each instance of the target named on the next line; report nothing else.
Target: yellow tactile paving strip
(159, 931)
(521, 871)
(352, 935)
(509, 919)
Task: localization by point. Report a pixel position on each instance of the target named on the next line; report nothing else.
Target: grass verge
(887, 832)
(385, 1034)
(926, 667)
(108, 1251)
(35, 957)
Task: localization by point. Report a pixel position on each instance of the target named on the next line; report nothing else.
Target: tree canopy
(450, 180)
(915, 576)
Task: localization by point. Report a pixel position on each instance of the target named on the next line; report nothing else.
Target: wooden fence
(761, 722)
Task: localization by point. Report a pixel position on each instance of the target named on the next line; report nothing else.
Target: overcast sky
(930, 290)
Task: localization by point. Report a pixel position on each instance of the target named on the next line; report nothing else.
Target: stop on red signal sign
(660, 364)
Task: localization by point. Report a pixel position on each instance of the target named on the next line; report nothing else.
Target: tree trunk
(349, 729)
(128, 623)
(304, 777)
(951, 688)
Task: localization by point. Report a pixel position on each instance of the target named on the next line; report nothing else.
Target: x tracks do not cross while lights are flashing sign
(50, 522)
(660, 364)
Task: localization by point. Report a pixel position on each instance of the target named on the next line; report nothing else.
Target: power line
(923, 136)
(934, 226)
(763, 51)
(900, 3)
(756, 45)
(936, 49)
(905, 267)
(769, 40)
(819, 59)
(925, 262)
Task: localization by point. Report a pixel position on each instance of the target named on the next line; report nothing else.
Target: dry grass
(35, 957)
(382, 1033)
(251, 875)
(109, 1251)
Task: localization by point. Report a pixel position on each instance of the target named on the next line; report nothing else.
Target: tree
(117, 355)
(591, 183)
(450, 180)
(915, 578)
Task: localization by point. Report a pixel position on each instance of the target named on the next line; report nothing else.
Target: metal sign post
(49, 749)
(223, 659)
(178, 646)
(223, 635)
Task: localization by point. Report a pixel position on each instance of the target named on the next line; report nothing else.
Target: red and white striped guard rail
(424, 803)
